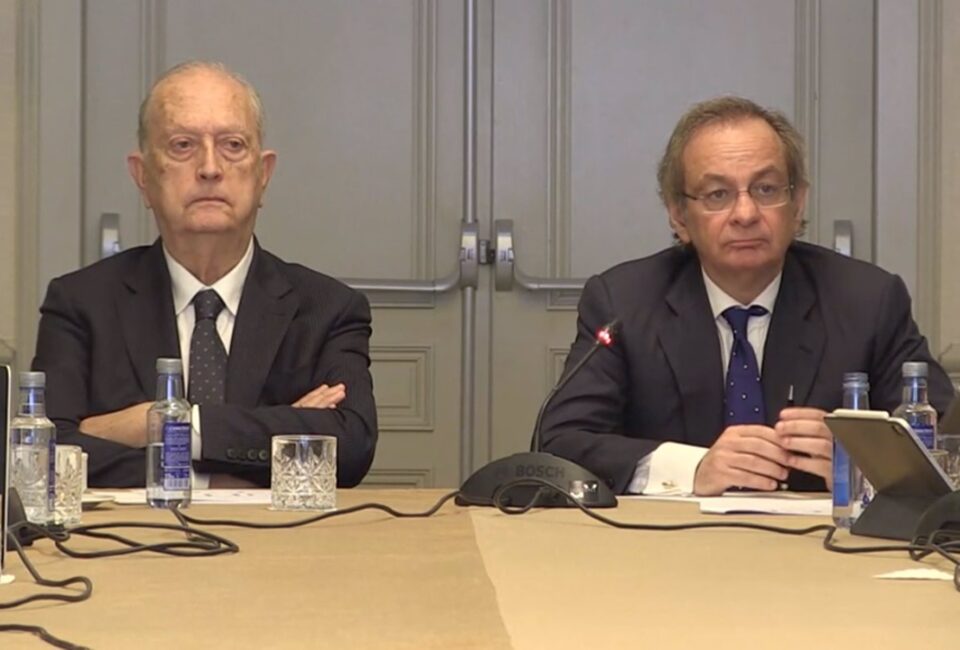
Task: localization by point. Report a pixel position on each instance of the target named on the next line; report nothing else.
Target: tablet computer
(905, 477)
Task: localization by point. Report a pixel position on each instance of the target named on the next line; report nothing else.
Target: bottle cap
(915, 369)
(169, 366)
(33, 379)
(855, 378)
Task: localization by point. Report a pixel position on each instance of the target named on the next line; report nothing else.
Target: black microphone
(565, 476)
(604, 339)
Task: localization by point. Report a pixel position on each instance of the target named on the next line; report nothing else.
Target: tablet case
(904, 475)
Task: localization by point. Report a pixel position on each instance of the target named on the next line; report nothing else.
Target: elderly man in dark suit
(285, 348)
(719, 331)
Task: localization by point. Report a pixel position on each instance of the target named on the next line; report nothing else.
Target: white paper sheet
(228, 496)
(916, 574)
(772, 504)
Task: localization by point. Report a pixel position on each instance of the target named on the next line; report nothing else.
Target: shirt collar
(229, 287)
(720, 300)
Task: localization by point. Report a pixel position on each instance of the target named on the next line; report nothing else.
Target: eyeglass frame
(789, 187)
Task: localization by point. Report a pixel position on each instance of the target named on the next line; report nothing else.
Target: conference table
(473, 577)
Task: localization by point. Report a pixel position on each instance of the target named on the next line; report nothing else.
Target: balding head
(201, 167)
(154, 99)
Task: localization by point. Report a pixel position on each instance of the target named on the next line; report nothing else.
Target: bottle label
(175, 460)
(925, 433)
(841, 477)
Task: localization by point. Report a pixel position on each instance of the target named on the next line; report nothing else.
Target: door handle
(465, 275)
(109, 234)
(843, 237)
(507, 272)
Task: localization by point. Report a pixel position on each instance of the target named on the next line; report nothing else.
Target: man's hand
(745, 455)
(323, 397)
(810, 442)
(127, 426)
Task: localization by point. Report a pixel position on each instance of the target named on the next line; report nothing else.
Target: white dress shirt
(185, 286)
(671, 467)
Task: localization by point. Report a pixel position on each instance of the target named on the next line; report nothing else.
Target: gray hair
(256, 106)
(670, 171)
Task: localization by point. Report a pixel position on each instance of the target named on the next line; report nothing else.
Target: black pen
(790, 403)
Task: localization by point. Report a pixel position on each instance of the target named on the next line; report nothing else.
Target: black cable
(949, 548)
(830, 545)
(44, 582)
(36, 630)
(186, 519)
(199, 543)
(499, 494)
(43, 635)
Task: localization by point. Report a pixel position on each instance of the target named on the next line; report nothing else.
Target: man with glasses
(267, 346)
(733, 342)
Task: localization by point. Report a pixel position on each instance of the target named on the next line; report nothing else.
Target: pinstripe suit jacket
(103, 327)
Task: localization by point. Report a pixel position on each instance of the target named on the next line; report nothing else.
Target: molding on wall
(423, 249)
(563, 300)
(559, 125)
(559, 132)
(929, 135)
(424, 206)
(417, 413)
(807, 98)
(28, 193)
(152, 63)
(556, 358)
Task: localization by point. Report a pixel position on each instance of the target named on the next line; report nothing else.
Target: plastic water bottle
(915, 408)
(33, 442)
(168, 440)
(851, 492)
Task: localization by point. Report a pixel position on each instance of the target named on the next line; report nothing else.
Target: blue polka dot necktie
(743, 401)
(208, 358)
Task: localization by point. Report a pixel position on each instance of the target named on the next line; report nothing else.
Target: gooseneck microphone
(564, 475)
(604, 339)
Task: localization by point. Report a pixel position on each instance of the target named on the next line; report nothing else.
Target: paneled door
(585, 95)
(536, 122)
(364, 104)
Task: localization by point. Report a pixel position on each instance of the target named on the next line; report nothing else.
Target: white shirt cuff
(200, 481)
(196, 442)
(669, 470)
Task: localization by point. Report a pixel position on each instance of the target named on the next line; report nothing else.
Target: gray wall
(945, 286)
(8, 176)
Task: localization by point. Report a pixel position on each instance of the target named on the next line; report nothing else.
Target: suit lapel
(690, 342)
(795, 342)
(145, 306)
(266, 309)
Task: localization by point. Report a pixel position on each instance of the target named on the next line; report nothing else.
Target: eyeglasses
(765, 195)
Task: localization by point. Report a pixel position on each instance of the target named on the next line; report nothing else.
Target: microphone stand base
(566, 476)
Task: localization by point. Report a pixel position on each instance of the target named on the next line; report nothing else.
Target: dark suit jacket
(103, 327)
(663, 378)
